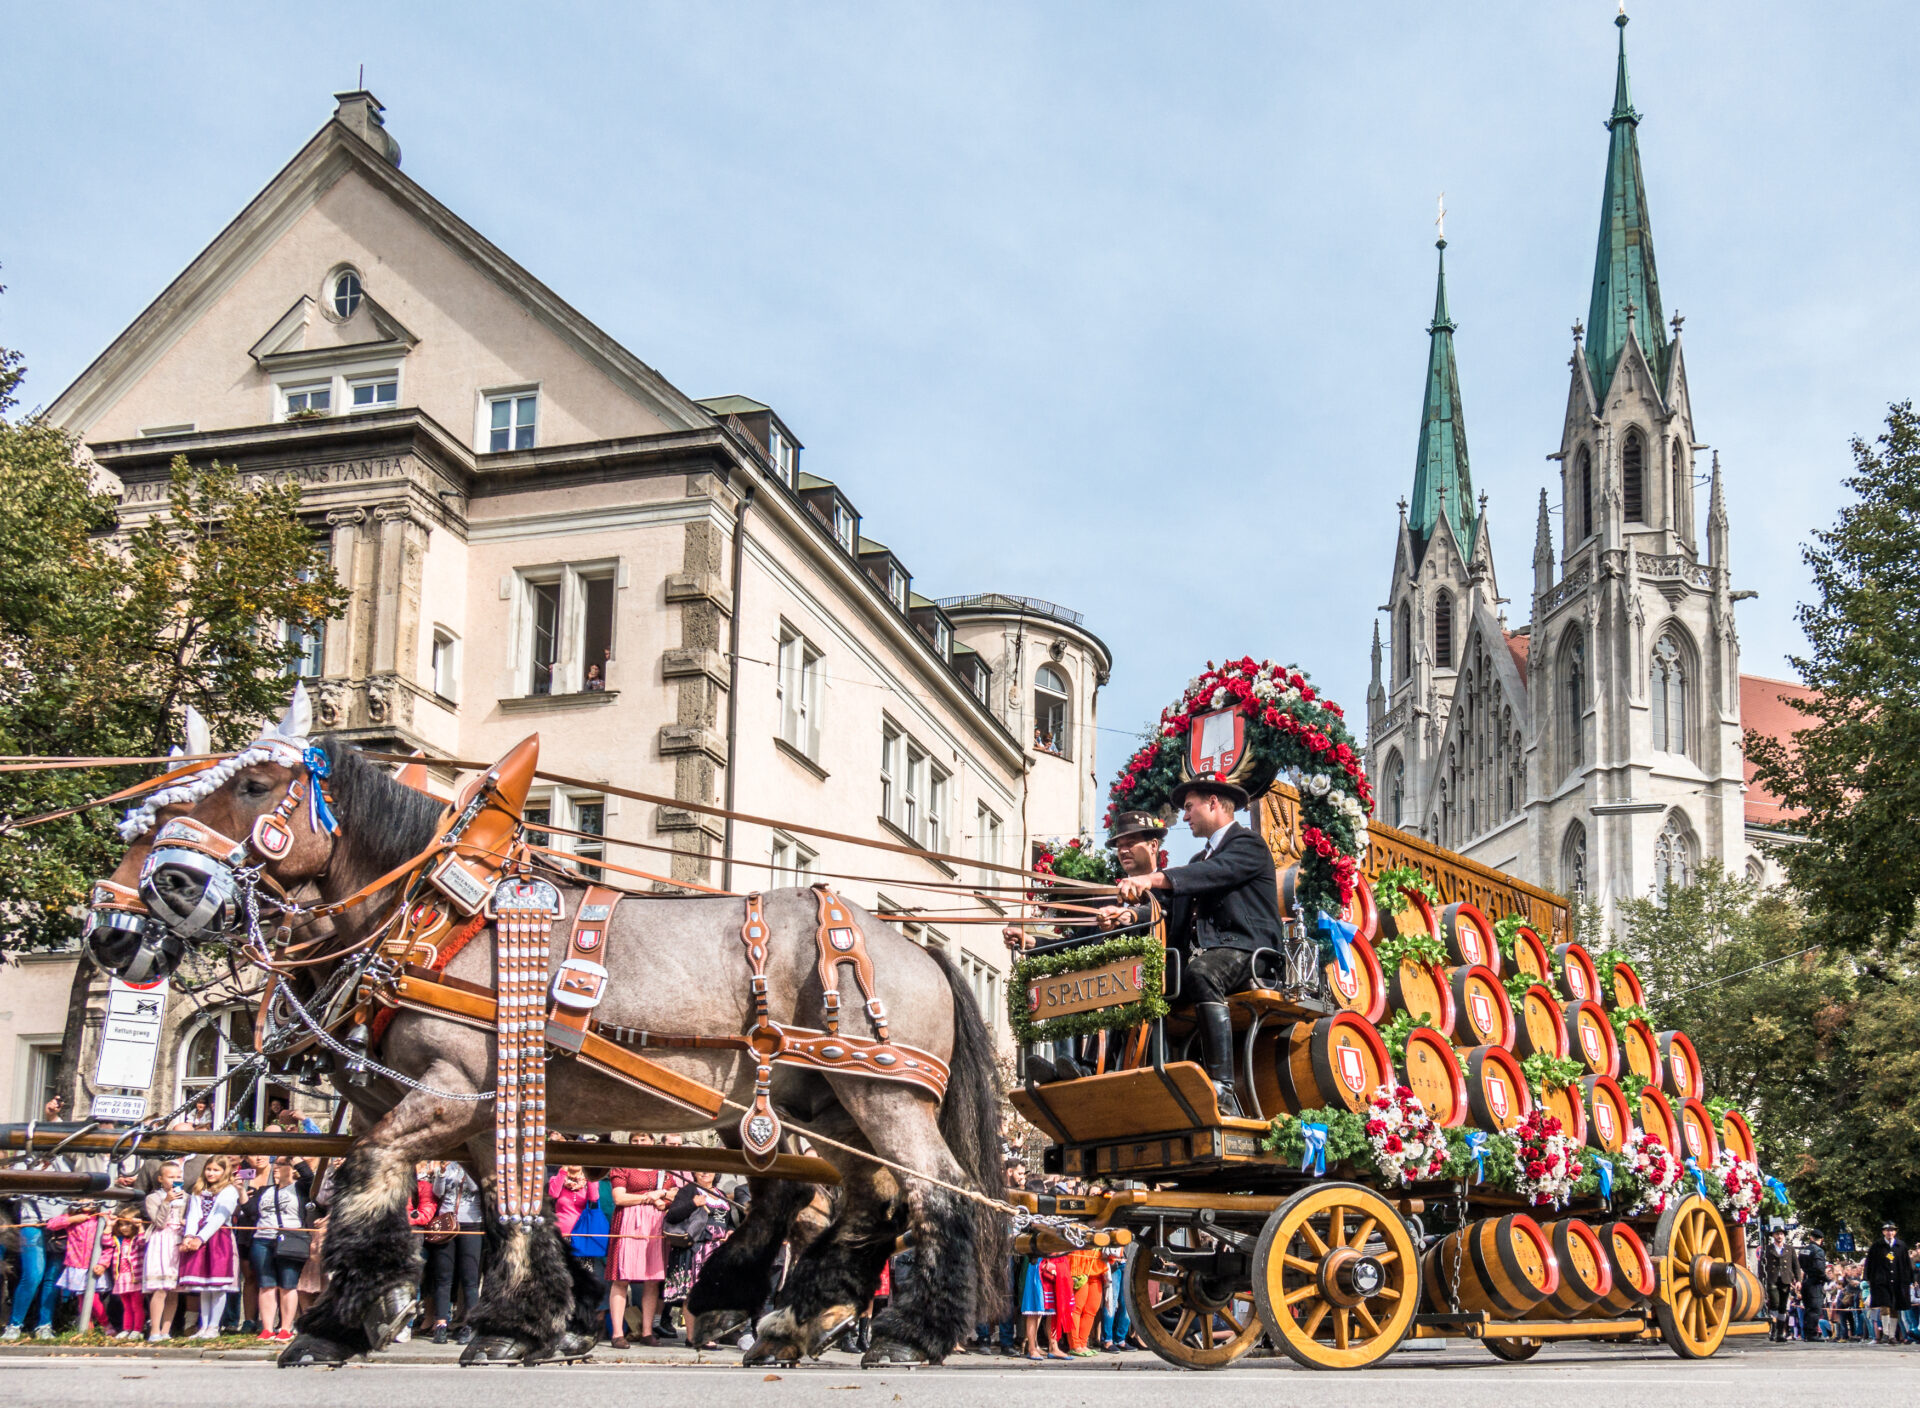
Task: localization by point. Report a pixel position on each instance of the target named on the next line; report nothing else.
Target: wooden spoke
(1314, 1240)
(1387, 1257)
(1386, 1293)
(1314, 1224)
(1342, 1329)
(1294, 1297)
(1300, 1263)
(1359, 1239)
(1336, 1227)
(1185, 1323)
(1693, 1324)
(1366, 1316)
(1312, 1322)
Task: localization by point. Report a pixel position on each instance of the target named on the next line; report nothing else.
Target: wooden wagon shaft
(57, 1183)
(797, 1168)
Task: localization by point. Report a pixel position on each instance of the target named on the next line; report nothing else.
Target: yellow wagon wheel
(1694, 1303)
(1189, 1299)
(1335, 1277)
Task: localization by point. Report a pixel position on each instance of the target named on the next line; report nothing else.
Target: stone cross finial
(1579, 329)
(1677, 320)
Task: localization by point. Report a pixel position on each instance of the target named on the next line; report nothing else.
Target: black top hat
(1136, 823)
(1219, 788)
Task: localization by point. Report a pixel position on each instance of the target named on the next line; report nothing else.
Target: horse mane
(388, 821)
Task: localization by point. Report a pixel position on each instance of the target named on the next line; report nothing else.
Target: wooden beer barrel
(1623, 988)
(1361, 988)
(1657, 1119)
(1431, 1071)
(1679, 1066)
(1404, 912)
(1421, 989)
(1530, 956)
(1639, 1052)
(1749, 1296)
(1632, 1268)
(1497, 1094)
(1360, 911)
(1699, 1137)
(1590, 1038)
(1737, 1135)
(1468, 935)
(1482, 1015)
(1574, 974)
(1501, 1265)
(1334, 1063)
(1538, 1027)
(1586, 1273)
(1608, 1119)
(1565, 1102)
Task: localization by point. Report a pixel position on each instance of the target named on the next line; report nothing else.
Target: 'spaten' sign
(1088, 990)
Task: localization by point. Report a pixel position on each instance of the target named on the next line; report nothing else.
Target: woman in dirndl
(209, 1261)
(639, 1252)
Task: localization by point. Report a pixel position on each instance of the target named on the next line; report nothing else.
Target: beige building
(542, 534)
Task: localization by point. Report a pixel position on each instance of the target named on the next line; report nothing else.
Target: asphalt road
(1562, 1376)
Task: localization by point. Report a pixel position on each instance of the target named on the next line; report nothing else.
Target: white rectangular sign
(119, 1107)
(130, 1035)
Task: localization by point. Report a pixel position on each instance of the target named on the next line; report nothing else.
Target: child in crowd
(86, 1255)
(126, 1267)
(209, 1263)
(166, 1212)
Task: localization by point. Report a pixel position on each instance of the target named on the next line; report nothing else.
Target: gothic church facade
(1596, 750)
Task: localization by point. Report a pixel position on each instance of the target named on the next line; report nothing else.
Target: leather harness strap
(581, 981)
(760, 1126)
(524, 910)
(841, 942)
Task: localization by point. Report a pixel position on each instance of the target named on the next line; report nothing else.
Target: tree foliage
(1814, 1042)
(107, 636)
(1854, 770)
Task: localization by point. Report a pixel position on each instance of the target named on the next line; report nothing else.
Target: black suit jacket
(1229, 899)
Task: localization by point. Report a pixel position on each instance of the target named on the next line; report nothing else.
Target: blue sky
(1119, 305)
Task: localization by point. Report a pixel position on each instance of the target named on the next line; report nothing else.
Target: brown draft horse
(676, 965)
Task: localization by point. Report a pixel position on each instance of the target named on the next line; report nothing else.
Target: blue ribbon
(1477, 1140)
(319, 808)
(1699, 1179)
(1605, 1169)
(1778, 1189)
(1315, 1156)
(1341, 933)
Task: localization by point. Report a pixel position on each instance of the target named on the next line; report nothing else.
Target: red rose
(1536, 1170)
(1343, 753)
(1376, 1128)
(1394, 1144)
(1075, 843)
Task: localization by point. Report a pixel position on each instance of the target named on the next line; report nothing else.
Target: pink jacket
(83, 1238)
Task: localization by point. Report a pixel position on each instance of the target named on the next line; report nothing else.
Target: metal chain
(340, 1048)
(1075, 1233)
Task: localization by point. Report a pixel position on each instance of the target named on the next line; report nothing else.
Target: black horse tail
(970, 1125)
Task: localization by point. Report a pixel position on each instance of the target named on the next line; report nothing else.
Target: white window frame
(564, 813)
(783, 453)
(570, 623)
(483, 418)
(286, 391)
(988, 833)
(845, 525)
(913, 792)
(359, 295)
(312, 663)
(372, 380)
(227, 1054)
(939, 793)
(891, 739)
(797, 676)
(444, 664)
(790, 862)
(942, 638)
(588, 851)
(896, 586)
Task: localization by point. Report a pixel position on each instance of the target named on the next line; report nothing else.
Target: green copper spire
(1440, 477)
(1625, 287)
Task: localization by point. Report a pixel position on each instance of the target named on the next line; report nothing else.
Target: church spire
(1441, 481)
(1626, 291)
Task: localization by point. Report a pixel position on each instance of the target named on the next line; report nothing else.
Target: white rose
(1220, 697)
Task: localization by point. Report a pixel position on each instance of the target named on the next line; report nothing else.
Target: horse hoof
(569, 1347)
(312, 1351)
(824, 1329)
(893, 1352)
(776, 1340)
(387, 1316)
(496, 1349)
(719, 1326)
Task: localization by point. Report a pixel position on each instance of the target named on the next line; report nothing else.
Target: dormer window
(843, 526)
(307, 401)
(373, 392)
(897, 586)
(346, 293)
(784, 454)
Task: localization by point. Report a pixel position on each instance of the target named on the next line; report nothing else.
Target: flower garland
(1738, 1184)
(1149, 1006)
(1289, 728)
(1646, 1174)
(1077, 859)
(1549, 1163)
(1407, 1144)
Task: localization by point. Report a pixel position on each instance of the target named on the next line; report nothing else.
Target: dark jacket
(1781, 1268)
(1813, 1271)
(1890, 1275)
(1232, 899)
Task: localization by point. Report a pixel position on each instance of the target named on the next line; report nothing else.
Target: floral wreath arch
(1290, 730)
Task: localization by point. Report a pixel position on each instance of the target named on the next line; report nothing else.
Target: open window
(565, 629)
(1052, 712)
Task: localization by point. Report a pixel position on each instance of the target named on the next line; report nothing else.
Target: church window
(1582, 505)
(1667, 689)
(1573, 701)
(1396, 789)
(1573, 862)
(1682, 487)
(1443, 632)
(1403, 645)
(1633, 476)
(1672, 857)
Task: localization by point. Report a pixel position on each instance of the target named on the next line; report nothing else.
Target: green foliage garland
(1543, 1071)
(1422, 948)
(1151, 1004)
(1347, 1141)
(1080, 859)
(1622, 1017)
(1504, 929)
(1501, 1164)
(1517, 985)
(1631, 1084)
(1388, 885)
(1394, 1033)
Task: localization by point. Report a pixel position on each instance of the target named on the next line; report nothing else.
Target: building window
(510, 421)
(1682, 510)
(306, 401)
(536, 815)
(43, 1076)
(1573, 862)
(913, 792)
(1573, 701)
(983, 979)
(797, 684)
(1443, 632)
(346, 293)
(890, 773)
(1052, 716)
(1403, 644)
(1672, 857)
(446, 663)
(942, 638)
(590, 816)
(934, 836)
(988, 831)
(222, 1041)
(311, 641)
(791, 863)
(896, 586)
(1667, 691)
(1633, 477)
(374, 392)
(1582, 506)
(784, 454)
(1396, 789)
(567, 625)
(844, 526)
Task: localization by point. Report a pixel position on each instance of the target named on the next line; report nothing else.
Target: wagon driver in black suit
(1231, 908)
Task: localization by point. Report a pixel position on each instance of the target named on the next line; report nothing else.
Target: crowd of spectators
(1862, 1294)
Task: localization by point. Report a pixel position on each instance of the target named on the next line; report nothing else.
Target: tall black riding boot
(1216, 1035)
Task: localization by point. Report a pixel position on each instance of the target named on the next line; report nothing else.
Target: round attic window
(346, 293)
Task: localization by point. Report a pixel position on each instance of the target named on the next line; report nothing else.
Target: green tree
(1854, 771)
(108, 636)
